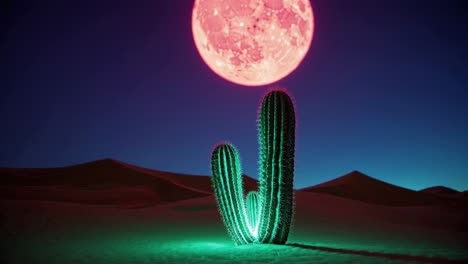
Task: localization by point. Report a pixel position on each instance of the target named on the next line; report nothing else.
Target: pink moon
(252, 42)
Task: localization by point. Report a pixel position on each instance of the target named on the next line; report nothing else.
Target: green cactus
(267, 215)
(277, 123)
(253, 207)
(227, 185)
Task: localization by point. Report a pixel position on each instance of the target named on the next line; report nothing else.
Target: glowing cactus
(266, 218)
(227, 185)
(277, 123)
(253, 206)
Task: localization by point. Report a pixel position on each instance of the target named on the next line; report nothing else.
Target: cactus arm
(222, 193)
(253, 207)
(228, 189)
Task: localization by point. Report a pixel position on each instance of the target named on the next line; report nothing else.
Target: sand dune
(104, 181)
(99, 182)
(198, 183)
(115, 182)
(440, 190)
(358, 186)
(446, 192)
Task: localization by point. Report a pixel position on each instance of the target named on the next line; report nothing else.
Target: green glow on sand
(207, 243)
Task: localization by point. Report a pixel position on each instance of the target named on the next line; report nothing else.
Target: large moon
(252, 42)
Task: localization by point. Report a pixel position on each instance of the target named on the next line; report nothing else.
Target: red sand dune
(440, 190)
(114, 182)
(104, 182)
(199, 183)
(358, 186)
(446, 192)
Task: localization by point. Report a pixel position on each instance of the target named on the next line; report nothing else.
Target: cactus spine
(265, 216)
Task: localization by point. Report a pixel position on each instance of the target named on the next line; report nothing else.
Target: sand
(116, 219)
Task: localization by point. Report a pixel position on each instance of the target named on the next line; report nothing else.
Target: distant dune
(110, 181)
(198, 183)
(440, 190)
(443, 191)
(104, 182)
(358, 186)
(449, 194)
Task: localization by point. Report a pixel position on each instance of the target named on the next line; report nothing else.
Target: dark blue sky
(382, 90)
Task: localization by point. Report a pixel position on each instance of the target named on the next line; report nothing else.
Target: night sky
(382, 90)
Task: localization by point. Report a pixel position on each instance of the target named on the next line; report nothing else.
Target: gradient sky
(382, 90)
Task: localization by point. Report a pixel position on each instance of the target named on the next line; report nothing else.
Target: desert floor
(191, 231)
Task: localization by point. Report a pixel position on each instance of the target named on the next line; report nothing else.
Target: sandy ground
(190, 232)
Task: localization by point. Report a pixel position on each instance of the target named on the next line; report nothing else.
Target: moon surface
(252, 42)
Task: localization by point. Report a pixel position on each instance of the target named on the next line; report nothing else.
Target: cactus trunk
(277, 143)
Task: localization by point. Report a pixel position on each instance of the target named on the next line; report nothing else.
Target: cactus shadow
(390, 256)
